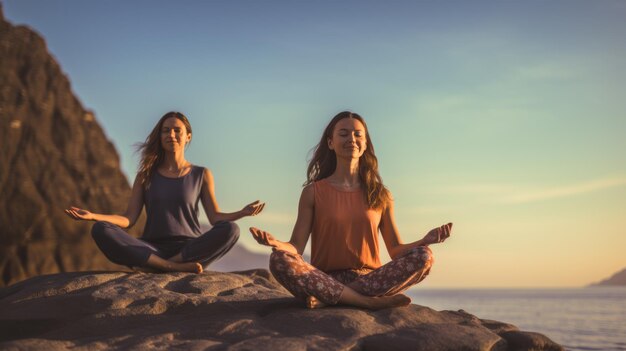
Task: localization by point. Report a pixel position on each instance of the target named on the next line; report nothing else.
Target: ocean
(577, 318)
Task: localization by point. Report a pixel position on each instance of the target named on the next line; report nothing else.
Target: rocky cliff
(54, 154)
(225, 311)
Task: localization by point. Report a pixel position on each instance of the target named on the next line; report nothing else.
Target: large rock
(54, 154)
(219, 311)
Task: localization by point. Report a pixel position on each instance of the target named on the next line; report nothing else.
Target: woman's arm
(392, 239)
(127, 220)
(207, 195)
(390, 234)
(301, 230)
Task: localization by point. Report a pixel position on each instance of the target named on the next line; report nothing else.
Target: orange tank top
(345, 230)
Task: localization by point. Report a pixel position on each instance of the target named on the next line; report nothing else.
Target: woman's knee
(101, 230)
(230, 230)
(280, 261)
(423, 256)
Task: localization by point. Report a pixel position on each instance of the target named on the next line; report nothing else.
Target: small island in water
(617, 279)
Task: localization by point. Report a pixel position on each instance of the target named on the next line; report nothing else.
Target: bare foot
(379, 303)
(192, 267)
(145, 269)
(157, 262)
(312, 302)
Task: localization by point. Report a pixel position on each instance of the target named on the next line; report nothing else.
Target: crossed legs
(195, 254)
(380, 288)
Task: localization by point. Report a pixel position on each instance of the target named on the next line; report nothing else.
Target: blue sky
(506, 118)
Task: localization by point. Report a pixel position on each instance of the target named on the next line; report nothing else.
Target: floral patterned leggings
(304, 280)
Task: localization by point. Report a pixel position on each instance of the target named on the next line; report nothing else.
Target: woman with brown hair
(170, 187)
(343, 206)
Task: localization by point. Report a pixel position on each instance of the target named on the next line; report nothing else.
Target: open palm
(439, 234)
(79, 214)
(263, 237)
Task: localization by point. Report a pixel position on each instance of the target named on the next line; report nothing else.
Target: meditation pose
(170, 187)
(343, 206)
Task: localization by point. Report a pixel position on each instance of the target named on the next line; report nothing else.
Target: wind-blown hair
(151, 150)
(324, 162)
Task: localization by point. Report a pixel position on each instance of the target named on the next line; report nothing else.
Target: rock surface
(224, 311)
(54, 154)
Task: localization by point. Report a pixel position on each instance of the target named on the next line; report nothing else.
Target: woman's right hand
(79, 214)
(263, 237)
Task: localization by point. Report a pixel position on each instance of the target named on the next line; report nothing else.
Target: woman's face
(174, 135)
(348, 139)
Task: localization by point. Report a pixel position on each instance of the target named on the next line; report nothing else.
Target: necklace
(177, 171)
(347, 186)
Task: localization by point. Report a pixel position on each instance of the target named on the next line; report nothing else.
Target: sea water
(578, 318)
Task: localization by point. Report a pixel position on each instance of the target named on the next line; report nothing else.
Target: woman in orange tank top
(343, 206)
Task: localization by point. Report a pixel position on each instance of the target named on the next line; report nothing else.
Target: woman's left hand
(439, 234)
(254, 208)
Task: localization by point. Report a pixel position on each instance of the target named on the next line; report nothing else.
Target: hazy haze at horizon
(506, 118)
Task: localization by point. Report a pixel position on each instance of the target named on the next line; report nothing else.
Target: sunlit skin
(174, 138)
(349, 143)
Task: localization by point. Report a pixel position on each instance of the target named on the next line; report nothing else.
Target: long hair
(151, 150)
(324, 162)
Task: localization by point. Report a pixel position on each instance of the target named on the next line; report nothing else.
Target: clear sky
(506, 118)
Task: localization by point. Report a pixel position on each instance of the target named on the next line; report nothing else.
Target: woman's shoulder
(202, 172)
(308, 188)
(315, 185)
(308, 194)
(319, 182)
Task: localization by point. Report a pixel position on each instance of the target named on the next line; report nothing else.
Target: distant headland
(617, 279)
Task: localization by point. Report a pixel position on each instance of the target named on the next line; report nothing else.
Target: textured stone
(224, 311)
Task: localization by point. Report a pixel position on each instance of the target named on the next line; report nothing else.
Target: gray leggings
(123, 249)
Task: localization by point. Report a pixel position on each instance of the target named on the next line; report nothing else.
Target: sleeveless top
(345, 230)
(172, 205)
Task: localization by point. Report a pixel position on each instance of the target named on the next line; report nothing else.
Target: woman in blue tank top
(170, 187)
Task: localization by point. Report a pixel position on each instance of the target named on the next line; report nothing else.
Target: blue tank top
(172, 205)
